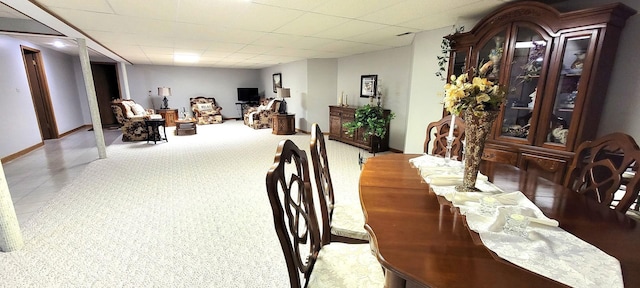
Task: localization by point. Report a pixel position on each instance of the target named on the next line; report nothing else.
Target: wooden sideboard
(284, 124)
(169, 115)
(339, 115)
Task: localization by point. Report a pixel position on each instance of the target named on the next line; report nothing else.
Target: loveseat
(206, 110)
(131, 117)
(262, 116)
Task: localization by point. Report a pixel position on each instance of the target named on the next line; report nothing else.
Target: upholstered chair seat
(262, 116)
(130, 116)
(346, 265)
(348, 221)
(205, 110)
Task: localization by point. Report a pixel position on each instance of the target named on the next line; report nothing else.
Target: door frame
(44, 87)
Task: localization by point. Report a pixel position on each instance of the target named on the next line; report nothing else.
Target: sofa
(206, 110)
(131, 116)
(262, 116)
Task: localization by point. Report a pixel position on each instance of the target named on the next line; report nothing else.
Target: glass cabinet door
(459, 63)
(569, 88)
(490, 57)
(524, 91)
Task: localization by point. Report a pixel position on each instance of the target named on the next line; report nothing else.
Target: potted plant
(371, 119)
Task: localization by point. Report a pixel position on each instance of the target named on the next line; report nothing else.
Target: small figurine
(533, 98)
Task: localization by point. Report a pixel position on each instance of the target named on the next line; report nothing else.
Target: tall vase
(495, 55)
(477, 127)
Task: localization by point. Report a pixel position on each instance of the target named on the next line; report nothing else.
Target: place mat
(438, 171)
(547, 249)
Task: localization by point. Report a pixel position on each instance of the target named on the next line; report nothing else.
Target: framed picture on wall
(277, 82)
(368, 85)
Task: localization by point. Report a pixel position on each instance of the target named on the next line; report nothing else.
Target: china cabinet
(555, 67)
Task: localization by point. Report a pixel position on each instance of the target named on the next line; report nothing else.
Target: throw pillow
(127, 108)
(205, 107)
(138, 109)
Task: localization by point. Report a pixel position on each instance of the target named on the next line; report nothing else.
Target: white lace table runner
(547, 250)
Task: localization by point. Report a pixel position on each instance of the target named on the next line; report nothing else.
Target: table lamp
(164, 91)
(283, 93)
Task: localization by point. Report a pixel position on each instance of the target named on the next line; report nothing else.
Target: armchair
(130, 116)
(205, 110)
(262, 116)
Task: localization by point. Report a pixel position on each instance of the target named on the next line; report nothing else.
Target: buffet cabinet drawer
(546, 167)
(494, 155)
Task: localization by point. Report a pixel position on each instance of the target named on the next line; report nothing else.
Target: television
(248, 95)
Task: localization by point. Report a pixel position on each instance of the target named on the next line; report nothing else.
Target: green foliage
(372, 119)
(445, 48)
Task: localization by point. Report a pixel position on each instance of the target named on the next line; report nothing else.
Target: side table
(170, 115)
(284, 124)
(153, 125)
(186, 127)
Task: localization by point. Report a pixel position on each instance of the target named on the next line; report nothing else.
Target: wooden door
(105, 80)
(40, 93)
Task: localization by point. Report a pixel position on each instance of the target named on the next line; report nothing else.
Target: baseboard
(34, 147)
(87, 126)
(21, 153)
(395, 150)
(302, 131)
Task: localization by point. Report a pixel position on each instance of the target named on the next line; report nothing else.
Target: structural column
(91, 97)
(125, 79)
(10, 235)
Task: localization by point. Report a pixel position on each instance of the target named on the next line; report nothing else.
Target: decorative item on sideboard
(164, 92)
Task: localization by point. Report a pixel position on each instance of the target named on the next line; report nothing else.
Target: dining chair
(344, 222)
(598, 166)
(309, 262)
(440, 130)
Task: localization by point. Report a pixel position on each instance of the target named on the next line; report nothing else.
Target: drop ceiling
(248, 34)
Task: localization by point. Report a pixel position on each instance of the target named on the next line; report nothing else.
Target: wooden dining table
(422, 240)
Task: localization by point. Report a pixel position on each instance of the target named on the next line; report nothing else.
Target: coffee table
(186, 127)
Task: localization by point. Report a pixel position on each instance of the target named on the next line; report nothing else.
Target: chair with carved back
(598, 166)
(309, 263)
(440, 130)
(345, 220)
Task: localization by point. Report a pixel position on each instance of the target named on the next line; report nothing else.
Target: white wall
(189, 82)
(63, 90)
(15, 101)
(15, 96)
(294, 77)
(323, 81)
(425, 103)
(393, 67)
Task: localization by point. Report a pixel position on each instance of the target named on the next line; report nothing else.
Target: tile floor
(35, 178)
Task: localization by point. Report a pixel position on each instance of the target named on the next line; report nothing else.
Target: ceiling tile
(349, 29)
(259, 32)
(264, 18)
(310, 24)
(353, 8)
(161, 9)
(281, 40)
(303, 5)
(83, 5)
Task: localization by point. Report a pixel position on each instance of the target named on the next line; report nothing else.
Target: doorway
(105, 80)
(40, 93)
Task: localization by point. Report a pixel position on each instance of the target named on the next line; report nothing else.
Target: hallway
(36, 177)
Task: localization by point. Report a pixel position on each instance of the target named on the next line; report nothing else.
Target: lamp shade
(284, 92)
(164, 91)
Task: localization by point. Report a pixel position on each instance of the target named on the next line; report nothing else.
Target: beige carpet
(192, 212)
